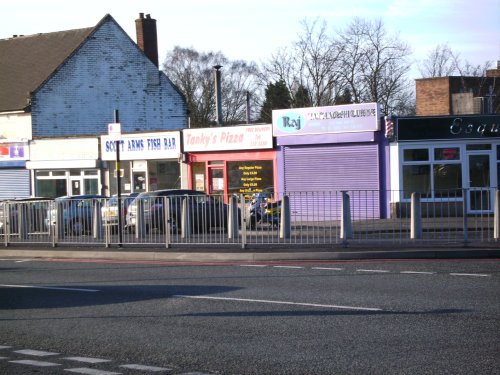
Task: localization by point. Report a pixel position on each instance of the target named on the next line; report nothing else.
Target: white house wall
(108, 72)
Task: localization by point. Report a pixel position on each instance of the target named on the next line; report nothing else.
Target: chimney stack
(147, 38)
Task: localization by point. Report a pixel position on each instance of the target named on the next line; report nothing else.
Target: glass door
(479, 183)
(216, 181)
(139, 179)
(76, 186)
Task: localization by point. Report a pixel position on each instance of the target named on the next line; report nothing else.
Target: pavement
(238, 254)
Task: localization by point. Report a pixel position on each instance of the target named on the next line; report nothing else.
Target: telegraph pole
(118, 183)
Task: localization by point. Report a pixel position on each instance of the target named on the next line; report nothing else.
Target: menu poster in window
(199, 179)
(248, 177)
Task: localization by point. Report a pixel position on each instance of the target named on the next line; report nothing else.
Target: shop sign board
(363, 117)
(13, 151)
(448, 127)
(246, 137)
(142, 146)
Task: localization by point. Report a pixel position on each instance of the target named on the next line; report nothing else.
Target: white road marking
(328, 268)
(48, 288)
(470, 274)
(23, 261)
(288, 267)
(35, 363)
(253, 265)
(91, 371)
(418, 272)
(5, 347)
(36, 353)
(146, 368)
(379, 271)
(280, 302)
(87, 359)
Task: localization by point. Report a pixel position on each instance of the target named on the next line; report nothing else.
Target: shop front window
(91, 186)
(417, 179)
(51, 188)
(248, 177)
(447, 180)
(198, 176)
(164, 175)
(417, 154)
(434, 172)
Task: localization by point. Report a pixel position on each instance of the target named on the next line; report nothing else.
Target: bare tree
(311, 64)
(193, 73)
(375, 65)
(362, 60)
(440, 62)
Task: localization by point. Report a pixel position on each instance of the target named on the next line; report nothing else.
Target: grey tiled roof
(28, 61)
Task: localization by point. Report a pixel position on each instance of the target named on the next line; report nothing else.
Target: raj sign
(320, 120)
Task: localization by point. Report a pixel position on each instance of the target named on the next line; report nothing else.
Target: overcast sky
(253, 30)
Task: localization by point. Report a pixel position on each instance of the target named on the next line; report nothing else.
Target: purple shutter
(316, 176)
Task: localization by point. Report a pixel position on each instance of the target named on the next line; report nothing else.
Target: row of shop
(304, 150)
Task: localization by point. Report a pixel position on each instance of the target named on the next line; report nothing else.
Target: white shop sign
(165, 145)
(246, 137)
(348, 118)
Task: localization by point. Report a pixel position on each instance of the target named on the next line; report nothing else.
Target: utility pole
(119, 184)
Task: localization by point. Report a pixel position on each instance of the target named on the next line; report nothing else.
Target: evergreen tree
(277, 96)
(344, 98)
(301, 99)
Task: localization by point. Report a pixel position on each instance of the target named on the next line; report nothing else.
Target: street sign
(115, 131)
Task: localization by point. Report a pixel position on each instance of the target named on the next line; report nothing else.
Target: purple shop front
(324, 151)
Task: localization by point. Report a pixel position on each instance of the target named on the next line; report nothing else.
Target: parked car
(77, 213)
(205, 211)
(110, 210)
(36, 210)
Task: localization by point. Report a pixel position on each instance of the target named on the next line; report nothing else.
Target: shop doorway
(480, 192)
(75, 186)
(139, 179)
(216, 181)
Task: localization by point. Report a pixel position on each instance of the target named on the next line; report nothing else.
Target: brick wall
(433, 96)
(108, 72)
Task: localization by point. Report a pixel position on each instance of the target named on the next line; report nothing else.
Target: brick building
(58, 93)
(455, 95)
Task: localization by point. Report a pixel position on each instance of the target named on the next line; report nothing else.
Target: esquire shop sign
(165, 145)
(349, 118)
(448, 127)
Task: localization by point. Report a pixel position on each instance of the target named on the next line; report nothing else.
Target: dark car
(35, 209)
(77, 213)
(204, 211)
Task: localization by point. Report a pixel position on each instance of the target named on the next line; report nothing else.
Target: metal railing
(322, 219)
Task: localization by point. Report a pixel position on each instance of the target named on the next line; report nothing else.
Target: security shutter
(14, 183)
(324, 171)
